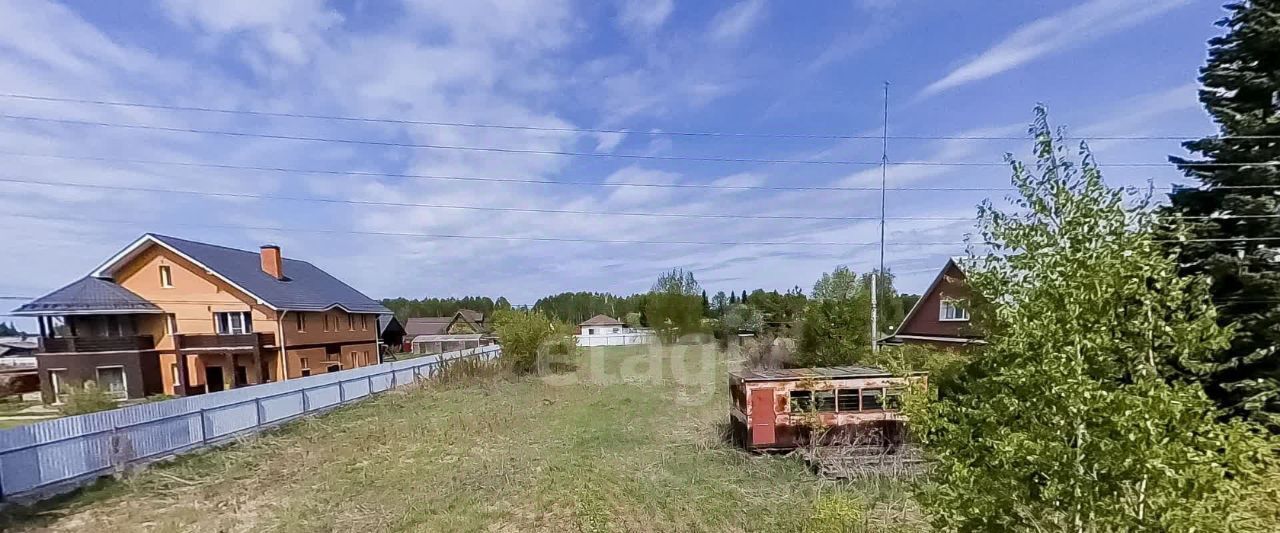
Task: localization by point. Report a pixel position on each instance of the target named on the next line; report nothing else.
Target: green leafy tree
(1068, 421)
(719, 303)
(706, 305)
(85, 399)
(674, 306)
(742, 317)
(837, 321)
(1240, 87)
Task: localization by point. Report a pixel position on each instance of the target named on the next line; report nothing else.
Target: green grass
(629, 441)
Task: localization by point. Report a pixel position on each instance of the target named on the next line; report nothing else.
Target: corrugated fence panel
(44, 458)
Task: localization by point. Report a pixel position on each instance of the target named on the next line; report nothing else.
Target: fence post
(257, 408)
(370, 380)
(342, 393)
(204, 432)
(306, 404)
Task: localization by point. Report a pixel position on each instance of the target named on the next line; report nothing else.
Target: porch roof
(88, 296)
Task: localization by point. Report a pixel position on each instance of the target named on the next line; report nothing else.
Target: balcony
(214, 342)
(133, 343)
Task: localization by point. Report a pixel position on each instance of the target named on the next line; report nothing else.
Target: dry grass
(625, 443)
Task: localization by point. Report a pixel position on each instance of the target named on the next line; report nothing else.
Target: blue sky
(1104, 67)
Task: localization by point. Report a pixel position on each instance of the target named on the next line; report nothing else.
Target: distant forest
(575, 307)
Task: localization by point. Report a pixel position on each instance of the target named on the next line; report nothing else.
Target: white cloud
(644, 16)
(735, 21)
(1073, 27)
(288, 30)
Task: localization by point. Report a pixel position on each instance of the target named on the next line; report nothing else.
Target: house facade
(941, 317)
(179, 317)
(438, 334)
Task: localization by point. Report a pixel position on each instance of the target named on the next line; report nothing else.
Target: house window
(177, 379)
(953, 310)
(326, 322)
(871, 399)
(335, 368)
(825, 400)
(111, 381)
(591, 331)
(351, 322)
(301, 320)
(801, 401)
(166, 277)
(234, 323)
(170, 324)
(306, 370)
(364, 322)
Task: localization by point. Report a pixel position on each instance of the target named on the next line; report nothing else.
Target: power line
(568, 153)
(529, 181)
(457, 236)
(650, 132)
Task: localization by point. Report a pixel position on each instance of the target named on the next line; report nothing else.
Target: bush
(525, 335)
(86, 399)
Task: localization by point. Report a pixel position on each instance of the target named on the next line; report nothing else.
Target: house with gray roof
(174, 316)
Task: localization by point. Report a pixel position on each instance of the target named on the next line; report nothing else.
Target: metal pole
(875, 275)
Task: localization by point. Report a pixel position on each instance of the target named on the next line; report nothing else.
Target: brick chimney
(272, 263)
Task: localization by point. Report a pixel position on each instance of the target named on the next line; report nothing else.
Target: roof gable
(952, 262)
(304, 287)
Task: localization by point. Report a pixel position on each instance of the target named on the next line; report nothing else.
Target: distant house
(18, 346)
(604, 330)
(437, 334)
(391, 333)
(941, 316)
(172, 316)
(600, 324)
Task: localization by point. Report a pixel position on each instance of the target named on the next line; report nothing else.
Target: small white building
(604, 330)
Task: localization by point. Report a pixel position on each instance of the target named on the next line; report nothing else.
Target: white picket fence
(46, 458)
(616, 339)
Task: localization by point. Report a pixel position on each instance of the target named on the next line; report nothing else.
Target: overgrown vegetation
(516, 454)
(86, 398)
(1069, 420)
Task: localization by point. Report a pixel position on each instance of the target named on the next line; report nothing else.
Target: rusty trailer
(780, 409)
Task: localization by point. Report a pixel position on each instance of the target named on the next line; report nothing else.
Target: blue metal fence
(48, 457)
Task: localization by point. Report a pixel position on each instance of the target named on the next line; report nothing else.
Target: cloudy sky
(794, 77)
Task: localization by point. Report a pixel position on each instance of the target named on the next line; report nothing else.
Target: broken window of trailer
(872, 399)
(847, 399)
(801, 401)
(825, 400)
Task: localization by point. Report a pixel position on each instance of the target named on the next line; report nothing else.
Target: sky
(610, 85)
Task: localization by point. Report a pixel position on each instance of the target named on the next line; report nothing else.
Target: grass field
(629, 441)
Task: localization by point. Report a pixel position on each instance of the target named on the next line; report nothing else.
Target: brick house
(172, 316)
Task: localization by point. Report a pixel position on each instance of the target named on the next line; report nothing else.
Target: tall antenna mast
(875, 275)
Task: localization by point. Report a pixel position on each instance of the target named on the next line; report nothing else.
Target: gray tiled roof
(304, 287)
(426, 325)
(88, 295)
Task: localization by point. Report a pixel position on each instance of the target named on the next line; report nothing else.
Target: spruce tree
(1236, 205)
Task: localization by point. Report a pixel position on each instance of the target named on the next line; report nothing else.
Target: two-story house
(941, 316)
(173, 316)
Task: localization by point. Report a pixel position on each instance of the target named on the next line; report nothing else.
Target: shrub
(85, 399)
(526, 335)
